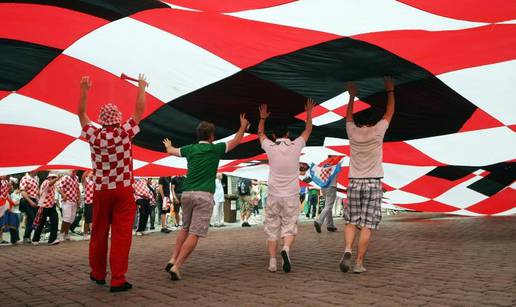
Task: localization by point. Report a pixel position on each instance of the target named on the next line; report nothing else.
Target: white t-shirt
(366, 149)
(283, 157)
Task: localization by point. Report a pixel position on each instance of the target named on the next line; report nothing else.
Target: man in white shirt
(365, 173)
(283, 200)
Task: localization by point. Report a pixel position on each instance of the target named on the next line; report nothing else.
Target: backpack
(244, 187)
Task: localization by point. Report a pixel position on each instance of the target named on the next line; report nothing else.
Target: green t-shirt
(314, 192)
(203, 162)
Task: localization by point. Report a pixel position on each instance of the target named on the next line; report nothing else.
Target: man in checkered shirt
(144, 198)
(29, 187)
(113, 200)
(70, 194)
(365, 172)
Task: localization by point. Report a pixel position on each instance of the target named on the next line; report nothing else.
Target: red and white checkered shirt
(89, 187)
(5, 188)
(30, 185)
(69, 188)
(111, 153)
(141, 190)
(48, 192)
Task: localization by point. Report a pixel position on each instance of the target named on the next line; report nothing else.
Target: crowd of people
(198, 195)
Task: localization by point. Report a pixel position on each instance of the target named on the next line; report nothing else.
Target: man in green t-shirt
(198, 188)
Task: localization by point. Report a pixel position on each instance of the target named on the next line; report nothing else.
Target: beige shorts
(69, 210)
(197, 210)
(281, 217)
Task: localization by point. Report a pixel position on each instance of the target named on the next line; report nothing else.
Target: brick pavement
(415, 259)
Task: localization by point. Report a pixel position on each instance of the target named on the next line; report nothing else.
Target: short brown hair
(205, 130)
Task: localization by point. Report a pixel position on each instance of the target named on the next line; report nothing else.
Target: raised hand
(352, 88)
(389, 83)
(244, 123)
(263, 111)
(309, 105)
(85, 83)
(167, 143)
(142, 81)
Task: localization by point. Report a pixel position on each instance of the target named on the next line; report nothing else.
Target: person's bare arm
(171, 150)
(83, 99)
(140, 98)
(352, 91)
(309, 106)
(389, 87)
(264, 114)
(244, 124)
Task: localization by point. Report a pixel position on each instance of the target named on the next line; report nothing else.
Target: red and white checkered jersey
(111, 153)
(5, 188)
(48, 192)
(89, 187)
(69, 188)
(30, 185)
(141, 190)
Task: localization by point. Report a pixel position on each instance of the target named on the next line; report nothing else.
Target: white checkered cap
(110, 115)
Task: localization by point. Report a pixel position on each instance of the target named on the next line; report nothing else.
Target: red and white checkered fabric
(30, 185)
(89, 187)
(141, 190)
(48, 192)
(69, 188)
(111, 153)
(110, 115)
(5, 188)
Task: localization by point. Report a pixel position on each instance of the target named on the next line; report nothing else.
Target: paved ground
(415, 259)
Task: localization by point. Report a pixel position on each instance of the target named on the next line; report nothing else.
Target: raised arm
(140, 98)
(171, 150)
(389, 87)
(309, 106)
(352, 91)
(244, 124)
(83, 99)
(264, 113)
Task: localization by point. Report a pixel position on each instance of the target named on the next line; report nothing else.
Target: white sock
(286, 248)
(347, 251)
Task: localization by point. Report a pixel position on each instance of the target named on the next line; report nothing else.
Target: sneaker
(272, 265)
(317, 227)
(174, 274)
(169, 266)
(55, 242)
(152, 228)
(4, 242)
(139, 233)
(286, 261)
(35, 242)
(27, 241)
(345, 262)
(125, 287)
(61, 238)
(67, 237)
(331, 229)
(165, 230)
(86, 237)
(358, 268)
(97, 281)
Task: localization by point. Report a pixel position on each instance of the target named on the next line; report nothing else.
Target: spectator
(47, 209)
(177, 191)
(68, 186)
(152, 214)
(88, 186)
(29, 187)
(144, 198)
(164, 201)
(246, 207)
(217, 218)
(6, 205)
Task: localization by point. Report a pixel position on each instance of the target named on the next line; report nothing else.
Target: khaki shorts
(197, 210)
(281, 217)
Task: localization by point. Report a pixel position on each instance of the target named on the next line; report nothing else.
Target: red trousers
(116, 209)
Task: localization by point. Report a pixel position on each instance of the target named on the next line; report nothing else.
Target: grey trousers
(326, 216)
